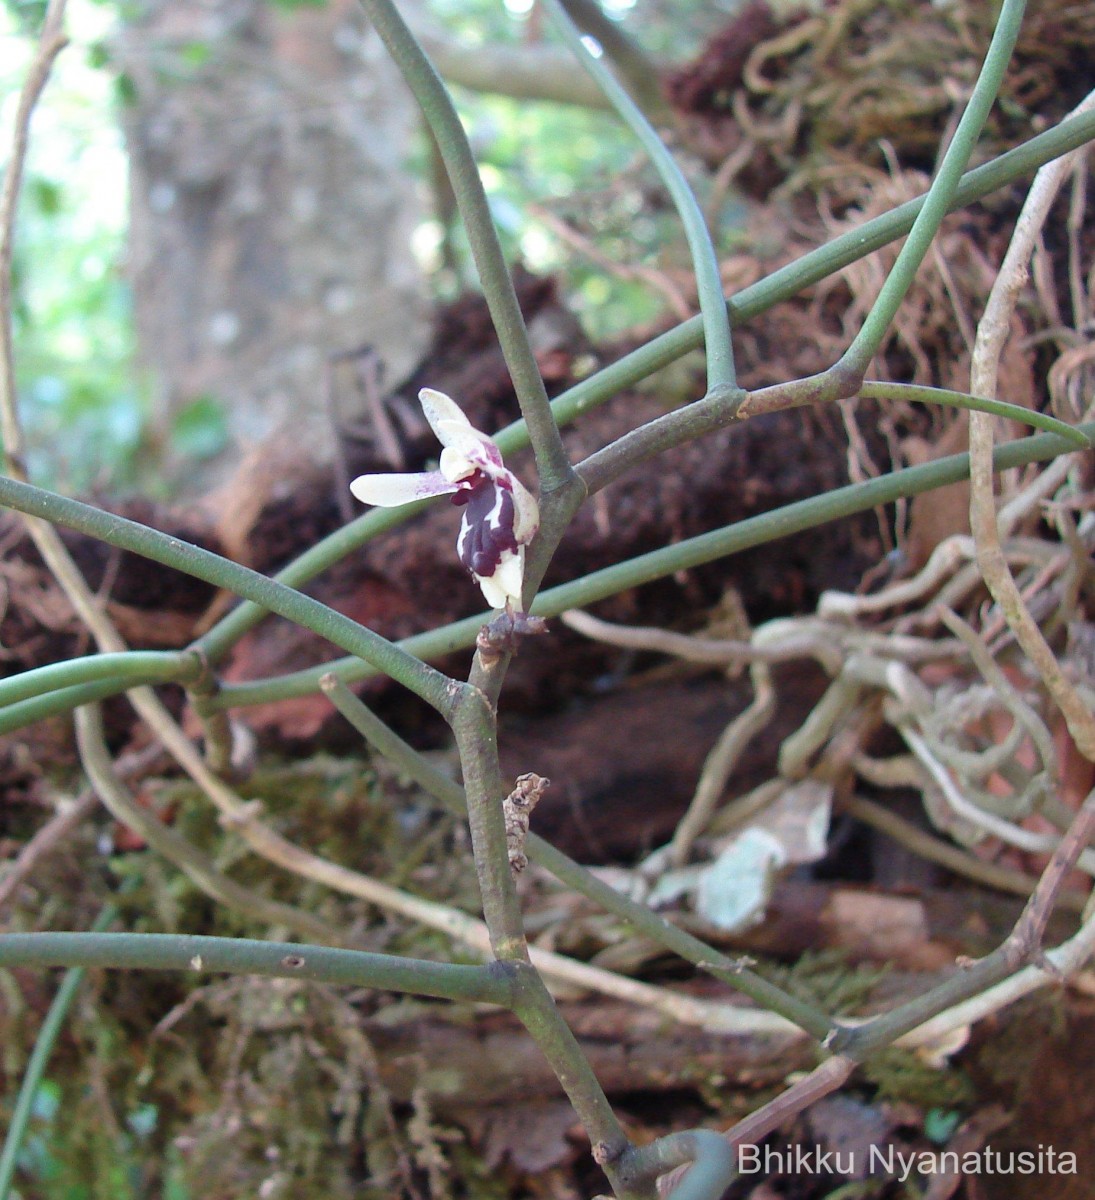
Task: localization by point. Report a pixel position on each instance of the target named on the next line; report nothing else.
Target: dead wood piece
(916, 930)
(624, 766)
(495, 1062)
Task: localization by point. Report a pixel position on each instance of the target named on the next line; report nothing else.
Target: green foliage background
(84, 410)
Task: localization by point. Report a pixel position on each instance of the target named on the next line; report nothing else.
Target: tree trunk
(271, 214)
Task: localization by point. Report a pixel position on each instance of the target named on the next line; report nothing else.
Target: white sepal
(440, 408)
(390, 491)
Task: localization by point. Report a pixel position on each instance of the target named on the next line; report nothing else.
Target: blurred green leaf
(46, 195)
(196, 54)
(125, 90)
(200, 430)
(28, 14)
(98, 56)
(940, 1123)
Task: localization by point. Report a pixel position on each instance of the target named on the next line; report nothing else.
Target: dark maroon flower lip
(468, 487)
(487, 529)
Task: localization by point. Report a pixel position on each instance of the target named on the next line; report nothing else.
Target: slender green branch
(555, 519)
(557, 479)
(382, 655)
(36, 1065)
(860, 1042)
(1023, 944)
(733, 972)
(941, 193)
(53, 704)
(792, 518)
(384, 739)
(490, 984)
(477, 740)
(435, 643)
(635, 66)
(218, 641)
(836, 383)
(672, 345)
(437, 106)
(826, 260)
(878, 390)
(721, 378)
(125, 670)
(655, 437)
(387, 742)
(693, 552)
(536, 1010)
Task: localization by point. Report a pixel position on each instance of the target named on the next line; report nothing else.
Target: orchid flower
(500, 515)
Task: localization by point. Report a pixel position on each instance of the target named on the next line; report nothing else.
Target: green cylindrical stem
(178, 850)
(241, 956)
(438, 109)
(476, 738)
(127, 670)
(880, 390)
(53, 704)
(649, 923)
(721, 378)
(218, 641)
(574, 875)
(861, 1041)
(711, 1159)
(23, 1110)
(940, 195)
(536, 1009)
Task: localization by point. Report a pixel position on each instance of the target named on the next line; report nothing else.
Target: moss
(825, 979)
(903, 1075)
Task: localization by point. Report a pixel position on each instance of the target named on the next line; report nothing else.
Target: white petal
(440, 408)
(492, 591)
(505, 583)
(473, 445)
(454, 466)
(390, 491)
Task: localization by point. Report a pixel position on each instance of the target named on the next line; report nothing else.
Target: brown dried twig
(991, 334)
(678, 303)
(721, 762)
(822, 1081)
(48, 839)
(51, 42)
(1025, 941)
